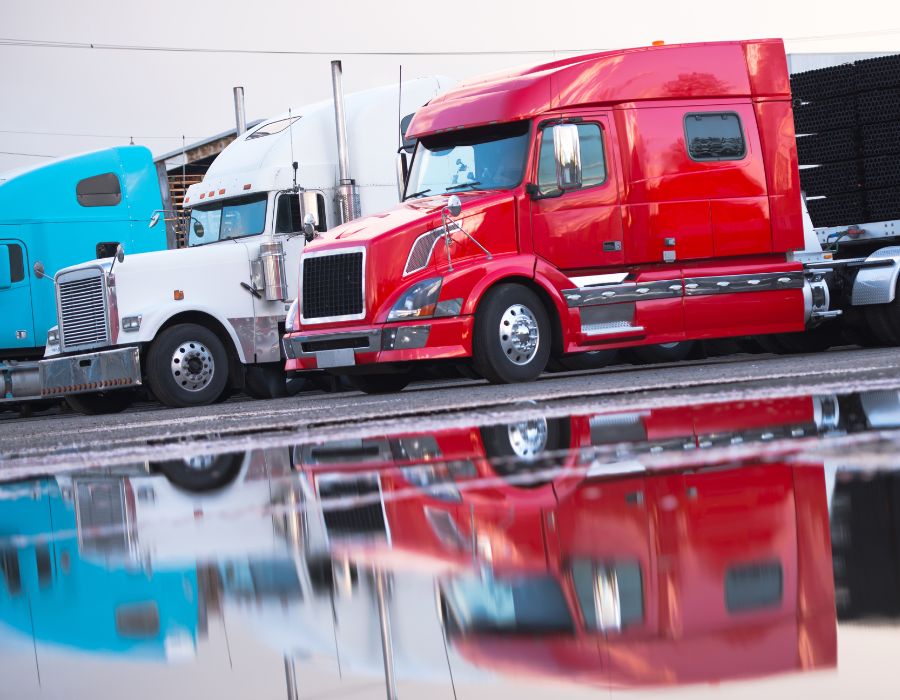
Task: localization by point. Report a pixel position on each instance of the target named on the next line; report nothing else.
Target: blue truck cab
(54, 590)
(63, 213)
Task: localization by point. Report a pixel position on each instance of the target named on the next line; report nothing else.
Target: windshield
(489, 157)
(233, 218)
(523, 605)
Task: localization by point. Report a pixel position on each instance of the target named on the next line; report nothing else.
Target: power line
(96, 136)
(32, 155)
(42, 43)
(45, 43)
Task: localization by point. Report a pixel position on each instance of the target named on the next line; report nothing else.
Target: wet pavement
(732, 539)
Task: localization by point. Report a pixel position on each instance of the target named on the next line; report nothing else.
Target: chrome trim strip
(593, 280)
(735, 284)
(612, 328)
(323, 253)
(616, 294)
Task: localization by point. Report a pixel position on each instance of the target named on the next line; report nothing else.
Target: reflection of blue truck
(53, 591)
(60, 214)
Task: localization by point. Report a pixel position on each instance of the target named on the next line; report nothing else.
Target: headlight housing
(53, 336)
(419, 301)
(290, 322)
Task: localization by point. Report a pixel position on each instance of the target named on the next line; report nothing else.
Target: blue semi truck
(60, 214)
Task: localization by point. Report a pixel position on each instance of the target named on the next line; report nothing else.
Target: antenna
(400, 108)
(291, 137)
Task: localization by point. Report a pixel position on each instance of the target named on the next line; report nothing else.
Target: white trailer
(195, 323)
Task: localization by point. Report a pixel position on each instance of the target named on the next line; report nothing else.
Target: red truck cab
(630, 197)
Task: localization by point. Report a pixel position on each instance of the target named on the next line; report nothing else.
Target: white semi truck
(197, 322)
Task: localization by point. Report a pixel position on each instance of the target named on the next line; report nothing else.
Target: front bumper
(429, 339)
(90, 372)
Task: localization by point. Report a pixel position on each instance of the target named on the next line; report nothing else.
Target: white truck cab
(195, 322)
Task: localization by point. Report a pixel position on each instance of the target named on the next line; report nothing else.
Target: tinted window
(287, 215)
(752, 586)
(593, 161)
(16, 262)
(628, 596)
(231, 218)
(272, 128)
(99, 191)
(9, 567)
(714, 136)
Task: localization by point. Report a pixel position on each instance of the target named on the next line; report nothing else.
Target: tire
(595, 359)
(102, 402)
(525, 447)
(204, 473)
(500, 356)
(815, 340)
(666, 352)
(379, 383)
(266, 381)
(208, 370)
(883, 321)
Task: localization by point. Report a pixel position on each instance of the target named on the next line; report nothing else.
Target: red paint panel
(747, 313)
(647, 225)
(740, 226)
(767, 68)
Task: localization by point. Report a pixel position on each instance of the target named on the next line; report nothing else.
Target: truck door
(580, 228)
(17, 326)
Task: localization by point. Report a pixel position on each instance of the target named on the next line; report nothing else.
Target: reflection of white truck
(196, 322)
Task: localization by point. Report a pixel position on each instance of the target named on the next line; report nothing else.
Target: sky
(89, 98)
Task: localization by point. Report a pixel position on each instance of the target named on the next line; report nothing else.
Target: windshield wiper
(417, 194)
(464, 184)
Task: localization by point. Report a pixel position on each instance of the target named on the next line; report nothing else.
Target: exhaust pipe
(240, 116)
(348, 195)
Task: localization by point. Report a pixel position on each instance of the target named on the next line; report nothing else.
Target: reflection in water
(657, 547)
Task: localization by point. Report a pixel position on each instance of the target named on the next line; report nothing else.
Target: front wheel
(202, 472)
(512, 335)
(187, 366)
(102, 402)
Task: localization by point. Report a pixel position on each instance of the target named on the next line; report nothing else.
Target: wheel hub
(528, 438)
(519, 334)
(192, 366)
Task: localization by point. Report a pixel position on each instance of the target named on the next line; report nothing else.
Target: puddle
(712, 545)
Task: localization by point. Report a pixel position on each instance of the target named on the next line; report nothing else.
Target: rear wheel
(379, 383)
(883, 321)
(102, 402)
(815, 340)
(512, 335)
(202, 472)
(595, 359)
(665, 352)
(187, 366)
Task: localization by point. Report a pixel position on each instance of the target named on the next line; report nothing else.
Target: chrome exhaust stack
(348, 194)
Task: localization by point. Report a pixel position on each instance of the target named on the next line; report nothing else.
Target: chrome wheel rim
(200, 463)
(519, 334)
(192, 366)
(528, 438)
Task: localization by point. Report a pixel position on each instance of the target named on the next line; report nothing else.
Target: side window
(753, 586)
(593, 160)
(287, 214)
(99, 191)
(714, 136)
(16, 262)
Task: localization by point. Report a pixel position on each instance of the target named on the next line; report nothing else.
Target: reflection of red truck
(673, 577)
(634, 197)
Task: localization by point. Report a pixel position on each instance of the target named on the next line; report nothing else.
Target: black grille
(332, 285)
(362, 519)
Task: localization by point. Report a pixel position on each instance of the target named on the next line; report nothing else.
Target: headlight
(439, 480)
(131, 323)
(53, 336)
(419, 301)
(290, 322)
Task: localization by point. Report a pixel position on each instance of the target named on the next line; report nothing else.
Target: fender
(877, 285)
(158, 319)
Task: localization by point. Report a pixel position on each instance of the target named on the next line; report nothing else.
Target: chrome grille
(82, 309)
(333, 286)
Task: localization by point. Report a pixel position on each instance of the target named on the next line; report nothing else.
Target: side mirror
(198, 229)
(454, 205)
(402, 164)
(120, 253)
(309, 227)
(567, 149)
(153, 220)
(39, 270)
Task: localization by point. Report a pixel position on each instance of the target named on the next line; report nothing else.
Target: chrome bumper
(340, 349)
(92, 371)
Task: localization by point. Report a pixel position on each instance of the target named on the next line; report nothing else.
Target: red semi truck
(634, 197)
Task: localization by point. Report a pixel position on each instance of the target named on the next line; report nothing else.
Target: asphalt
(55, 440)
